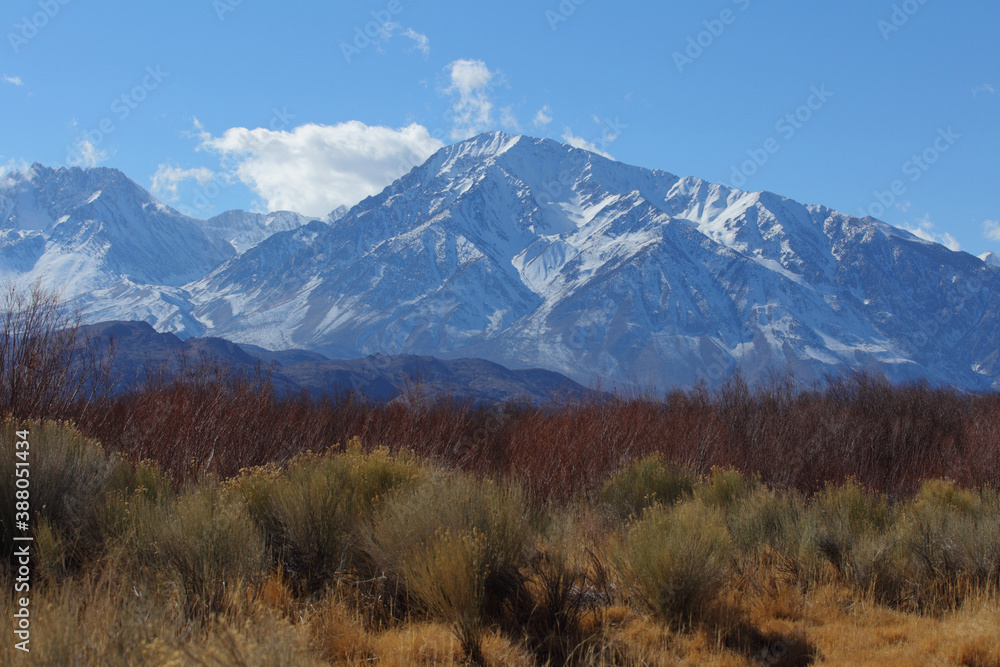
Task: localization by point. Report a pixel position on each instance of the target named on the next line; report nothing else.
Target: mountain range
(531, 254)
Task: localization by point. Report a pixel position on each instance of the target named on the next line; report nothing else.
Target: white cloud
(313, 168)
(14, 80)
(580, 142)
(87, 154)
(472, 110)
(420, 42)
(468, 76)
(543, 117)
(166, 180)
(991, 230)
(984, 88)
(924, 229)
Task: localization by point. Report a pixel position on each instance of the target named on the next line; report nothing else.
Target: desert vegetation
(200, 518)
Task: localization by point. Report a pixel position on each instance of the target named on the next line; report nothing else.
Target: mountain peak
(479, 148)
(40, 172)
(494, 138)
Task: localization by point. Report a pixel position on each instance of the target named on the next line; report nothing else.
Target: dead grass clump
(447, 576)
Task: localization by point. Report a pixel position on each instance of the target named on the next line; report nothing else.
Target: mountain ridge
(527, 252)
(141, 350)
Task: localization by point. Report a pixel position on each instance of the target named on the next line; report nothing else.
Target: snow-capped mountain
(87, 229)
(531, 253)
(991, 258)
(100, 238)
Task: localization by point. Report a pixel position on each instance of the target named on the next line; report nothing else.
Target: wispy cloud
(991, 230)
(508, 120)
(11, 166)
(198, 132)
(385, 33)
(166, 180)
(984, 88)
(87, 153)
(925, 230)
(13, 80)
(420, 42)
(472, 109)
(610, 131)
(580, 142)
(543, 117)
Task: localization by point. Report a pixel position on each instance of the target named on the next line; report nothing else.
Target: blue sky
(875, 106)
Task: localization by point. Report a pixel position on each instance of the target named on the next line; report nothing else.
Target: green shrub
(50, 551)
(877, 564)
(66, 478)
(766, 517)
(724, 488)
(644, 483)
(208, 541)
(951, 539)
(447, 575)
(134, 502)
(459, 504)
(145, 478)
(378, 473)
(312, 511)
(495, 517)
(676, 559)
(844, 515)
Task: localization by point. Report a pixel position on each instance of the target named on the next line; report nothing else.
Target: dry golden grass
(93, 620)
(846, 630)
(436, 644)
(459, 569)
(338, 634)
